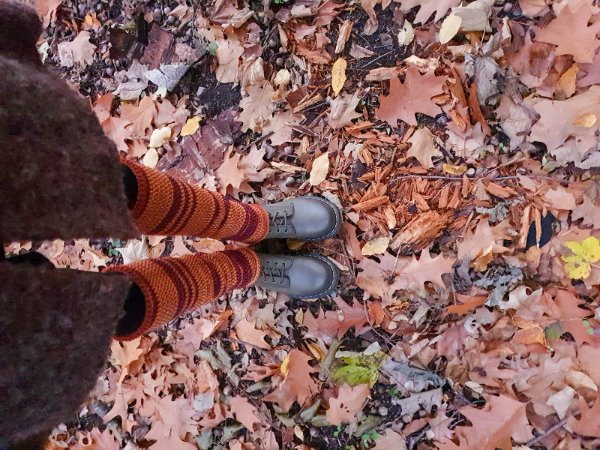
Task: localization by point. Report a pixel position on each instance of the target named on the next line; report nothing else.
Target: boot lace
(279, 221)
(274, 272)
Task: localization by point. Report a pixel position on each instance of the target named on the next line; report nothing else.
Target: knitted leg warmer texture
(172, 286)
(165, 206)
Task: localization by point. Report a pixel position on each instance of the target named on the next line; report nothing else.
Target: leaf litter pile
(461, 141)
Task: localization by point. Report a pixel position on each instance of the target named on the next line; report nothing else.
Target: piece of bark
(420, 232)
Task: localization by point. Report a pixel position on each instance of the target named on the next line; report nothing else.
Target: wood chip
(371, 204)
(420, 232)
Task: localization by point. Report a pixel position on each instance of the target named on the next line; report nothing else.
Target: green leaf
(358, 369)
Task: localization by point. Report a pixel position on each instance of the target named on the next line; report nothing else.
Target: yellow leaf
(449, 28)
(376, 246)
(591, 249)
(579, 265)
(587, 120)
(338, 75)
(160, 136)
(150, 159)
(191, 126)
(454, 170)
(285, 366)
(319, 170)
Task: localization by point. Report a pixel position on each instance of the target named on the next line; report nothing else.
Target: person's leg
(165, 206)
(166, 288)
(162, 205)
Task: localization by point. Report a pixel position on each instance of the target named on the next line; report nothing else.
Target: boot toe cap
(318, 218)
(313, 277)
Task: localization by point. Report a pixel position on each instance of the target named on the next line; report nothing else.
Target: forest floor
(461, 141)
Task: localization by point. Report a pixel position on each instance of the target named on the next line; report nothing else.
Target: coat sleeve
(61, 177)
(55, 333)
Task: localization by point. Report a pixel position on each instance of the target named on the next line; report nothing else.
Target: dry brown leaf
(246, 332)
(411, 97)
(427, 8)
(425, 269)
(423, 147)
(78, 51)
(376, 246)
(501, 419)
(319, 170)
(338, 75)
(244, 412)
(348, 404)
(297, 385)
(570, 32)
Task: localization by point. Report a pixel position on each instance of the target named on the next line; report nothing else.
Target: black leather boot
(308, 218)
(309, 276)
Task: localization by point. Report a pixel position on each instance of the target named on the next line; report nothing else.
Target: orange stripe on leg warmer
(173, 286)
(169, 207)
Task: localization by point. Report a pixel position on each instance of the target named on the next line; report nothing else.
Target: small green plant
(338, 431)
(370, 437)
(358, 369)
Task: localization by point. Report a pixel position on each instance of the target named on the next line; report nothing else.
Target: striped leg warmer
(165, 206)
(170, 287)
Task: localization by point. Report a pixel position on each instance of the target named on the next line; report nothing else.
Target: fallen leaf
(406, 34)
(348, 404)
(338, 75)
(376, 246)
(319, 170)
(343, 110)
(579, 265)
(78, 51)
(297, 384)
(449, 28)
(191, 126)
(423, 147)
(244, 412)
(160, 136)
(411, 97)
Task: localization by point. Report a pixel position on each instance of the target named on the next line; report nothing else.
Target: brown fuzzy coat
(60, 179)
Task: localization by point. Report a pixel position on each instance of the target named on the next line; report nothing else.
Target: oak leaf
(411, 97)
(228, 53)
(589, 212)
(346, 406)
(589, 422)
(425, 269)
(343, 110)
(423, 147)
(427, 8)
(246, 332)
(570, 32)
(336, 323)
(257, 106)
(501, 419)
(297, 384)
(244, 412)
(230, 175)
(78, 51)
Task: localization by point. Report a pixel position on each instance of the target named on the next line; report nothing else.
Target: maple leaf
(124, 354)
(423, 147)
(579, 265)
(571, 34)
(427, 8)
(349, 402)
(493, 426)
(411, 97)
(419, 271)
(297, 384)
(343, 110)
